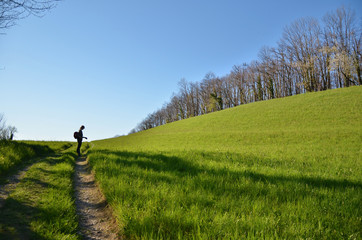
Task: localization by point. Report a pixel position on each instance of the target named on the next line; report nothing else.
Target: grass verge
(42, 205)
(14, 154)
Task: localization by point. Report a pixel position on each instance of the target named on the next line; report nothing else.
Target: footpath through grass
(282, 169)
(42, 205)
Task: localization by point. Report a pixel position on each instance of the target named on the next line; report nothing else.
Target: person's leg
(78, 148)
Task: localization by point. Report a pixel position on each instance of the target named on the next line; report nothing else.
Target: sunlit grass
(286, 168)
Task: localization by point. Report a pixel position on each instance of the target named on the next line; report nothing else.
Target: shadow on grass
(51, 161)
(179, 166)
(15, 218)
(22, 209)
(218, 190)
(16, 155)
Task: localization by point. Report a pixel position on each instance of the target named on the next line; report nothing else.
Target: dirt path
(95, 217)
(11, 184)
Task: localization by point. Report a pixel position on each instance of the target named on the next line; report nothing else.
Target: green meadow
(17, 154)
(286, 168)
(42, 204)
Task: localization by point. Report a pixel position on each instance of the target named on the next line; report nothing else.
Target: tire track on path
(96, 220)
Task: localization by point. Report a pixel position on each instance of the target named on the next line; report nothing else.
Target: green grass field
(42, 205)
(15, 154)
(287, 168)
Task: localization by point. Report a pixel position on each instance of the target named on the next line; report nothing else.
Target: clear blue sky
(107, 64)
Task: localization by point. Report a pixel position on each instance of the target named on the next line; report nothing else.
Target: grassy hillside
(284, 168)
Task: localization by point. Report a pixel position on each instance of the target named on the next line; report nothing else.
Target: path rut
(95, 216)
(11, 184)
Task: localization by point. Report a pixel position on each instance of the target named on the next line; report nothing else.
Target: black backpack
(75, 135)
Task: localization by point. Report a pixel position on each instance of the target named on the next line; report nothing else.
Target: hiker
(80, 139)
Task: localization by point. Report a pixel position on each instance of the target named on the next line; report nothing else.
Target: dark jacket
(80, 136)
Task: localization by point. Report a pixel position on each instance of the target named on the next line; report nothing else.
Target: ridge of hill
(321, 121)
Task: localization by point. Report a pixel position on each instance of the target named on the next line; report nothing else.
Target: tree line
(310, 56)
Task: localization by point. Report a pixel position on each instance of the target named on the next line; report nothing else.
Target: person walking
(80, 139)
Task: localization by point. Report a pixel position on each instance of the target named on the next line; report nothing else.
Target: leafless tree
(13, 10)
(345, 34)
(205, 92)
(302, 41)
(2, 122)
(6, 132)
(12, 130)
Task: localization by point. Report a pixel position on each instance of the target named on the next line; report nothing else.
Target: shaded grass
(42, 205)
(282, 169)
(14, 154)
(180, 196)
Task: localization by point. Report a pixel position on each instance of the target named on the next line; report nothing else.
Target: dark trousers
(79, 145)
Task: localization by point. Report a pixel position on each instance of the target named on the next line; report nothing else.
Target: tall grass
(15, 153)
(281, 169)
(42, 205)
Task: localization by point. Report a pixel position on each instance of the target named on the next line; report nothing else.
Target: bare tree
(6, 132)
(13, 10)
(269, 70)
(345, 34)
(205, 92)
(2, 123)
(238, 78)
(12, 130)
(302, 40)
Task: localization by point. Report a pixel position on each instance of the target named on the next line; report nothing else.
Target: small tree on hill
(6, 132)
